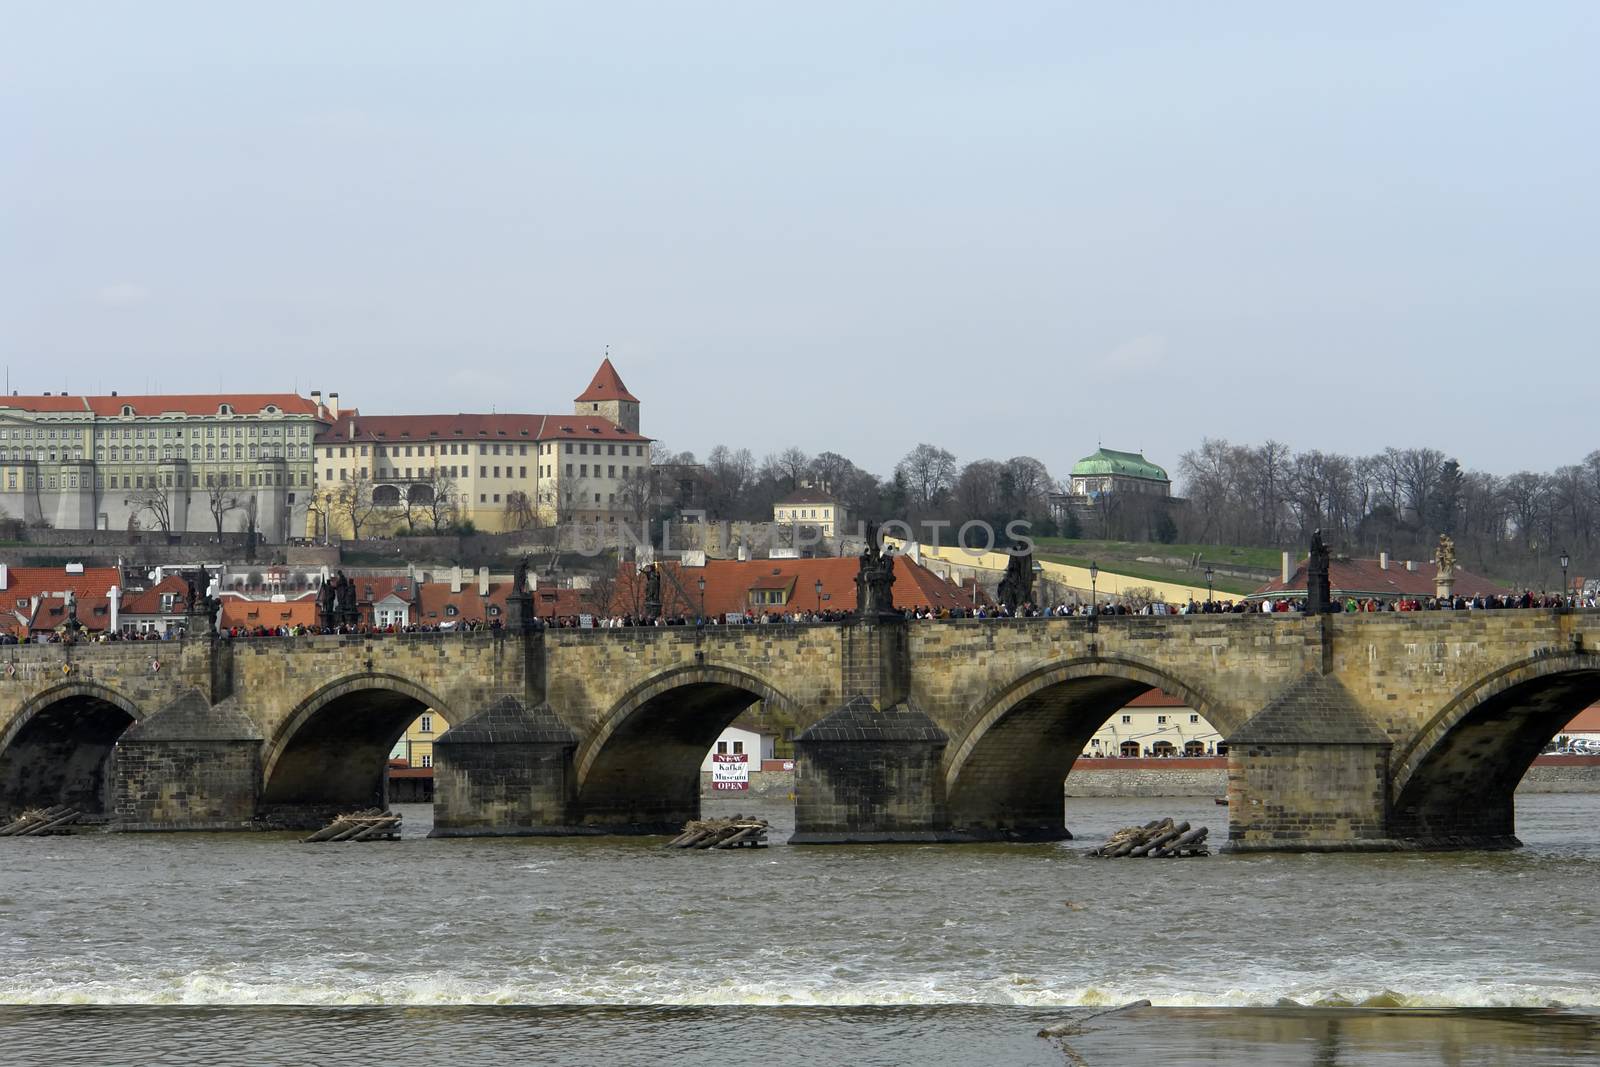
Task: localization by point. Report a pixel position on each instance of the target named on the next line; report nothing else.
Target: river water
(208, 948)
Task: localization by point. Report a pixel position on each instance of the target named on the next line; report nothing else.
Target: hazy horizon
(1006, 231)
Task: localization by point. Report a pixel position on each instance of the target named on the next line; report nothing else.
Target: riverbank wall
(1207, 776)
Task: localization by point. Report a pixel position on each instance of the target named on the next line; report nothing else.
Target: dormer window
(450, 609)
(127, 409)
(270, 409)
(225, 409)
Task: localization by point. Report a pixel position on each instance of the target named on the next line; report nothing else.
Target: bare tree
(929, 472)
(521, 512)
(352, 502)
(441, 505)
(154, 503)
(220, 500)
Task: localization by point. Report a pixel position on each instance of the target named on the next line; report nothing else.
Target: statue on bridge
(328, 603)
(1016, 587)
(1319, 594)
(349, 612)
(197, 603)
(652, 591)
(519, 577)
(875, 579)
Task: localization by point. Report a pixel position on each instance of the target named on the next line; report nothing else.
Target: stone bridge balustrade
(1358, 731)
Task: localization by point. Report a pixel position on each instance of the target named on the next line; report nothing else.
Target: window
(1194, 718)
(1126, 719)
(451, 609)
(738, 748)
(426, 725)
(1161, 720)
(427, 760)
(722, 748)
(483, 472)
(583, 470)
(524, 471)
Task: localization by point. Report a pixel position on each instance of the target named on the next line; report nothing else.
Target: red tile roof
(1586, 721)
(94, 613)
(245, 614)
(414, 429)
(1365, 578)
(148, 601)
(24, 582)
(1157, 698)
(607, 385)
(807, 495)
(729, 582)
(184, 404)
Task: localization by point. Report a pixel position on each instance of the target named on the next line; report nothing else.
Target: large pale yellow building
(416, 744)
(379, 473)
(809, 506)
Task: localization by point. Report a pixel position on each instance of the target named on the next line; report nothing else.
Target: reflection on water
(772, 1037)
(614, 950)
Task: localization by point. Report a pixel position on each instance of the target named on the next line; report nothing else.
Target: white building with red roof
(179, 464)
(378, 473)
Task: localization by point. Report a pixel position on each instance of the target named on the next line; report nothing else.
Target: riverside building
(181, 464)
(380, 473)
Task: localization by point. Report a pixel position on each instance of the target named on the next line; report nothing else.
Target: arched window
(386, 496)
(1129, 749)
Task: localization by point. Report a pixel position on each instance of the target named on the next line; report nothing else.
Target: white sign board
(730, 772)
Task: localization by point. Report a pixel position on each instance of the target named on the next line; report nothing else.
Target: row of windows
(141, 433)
(140, 454)
(455, 448)
(140, 481)
(1161, 720)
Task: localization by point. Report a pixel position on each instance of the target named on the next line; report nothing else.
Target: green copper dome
(1127, 464)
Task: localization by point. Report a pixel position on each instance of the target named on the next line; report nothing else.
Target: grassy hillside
(1123, 557)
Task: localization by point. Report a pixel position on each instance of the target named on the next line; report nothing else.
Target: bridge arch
(639, 771)
(331, 751)
(1004, 774)
(57, 748)
(1455, 782)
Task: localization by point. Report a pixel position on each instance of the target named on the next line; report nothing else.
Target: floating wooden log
(42, 822)
(1161, 838)
(737, 832)
(360, 826)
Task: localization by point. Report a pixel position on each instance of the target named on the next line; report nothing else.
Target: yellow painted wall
(1109, 584)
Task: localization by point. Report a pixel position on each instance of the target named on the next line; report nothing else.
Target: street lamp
(818, 588)
(1565, 588)
(702, 584)
(1094, 604)
(1209, 576)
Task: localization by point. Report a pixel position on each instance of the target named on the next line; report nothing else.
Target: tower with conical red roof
(608, 398)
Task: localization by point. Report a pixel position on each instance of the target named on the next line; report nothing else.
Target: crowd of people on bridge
(1109, 607)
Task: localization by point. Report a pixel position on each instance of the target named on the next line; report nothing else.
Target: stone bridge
(1344, 731)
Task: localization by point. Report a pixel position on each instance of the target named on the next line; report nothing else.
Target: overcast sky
(1003, 228)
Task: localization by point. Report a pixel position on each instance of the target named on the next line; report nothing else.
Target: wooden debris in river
(737, 832)
(1159, 837)
(42, 822)
(372, 825)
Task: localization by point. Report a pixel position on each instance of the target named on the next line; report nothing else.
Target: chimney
(114, 594)
(483, 581)
(1383, 561)
(316, 394)
(455, 579)
(1286, 568)
(113, 392)
(333, 404)
(744, 553)
(1411, 564)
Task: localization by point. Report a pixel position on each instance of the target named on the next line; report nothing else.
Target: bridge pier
(505, 772)
(190, 766)
(870, 771)
(1309, 773)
